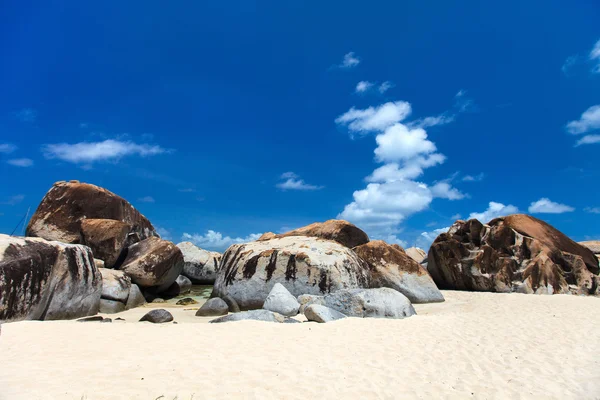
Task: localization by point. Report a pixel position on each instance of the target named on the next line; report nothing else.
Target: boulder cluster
(88, 250)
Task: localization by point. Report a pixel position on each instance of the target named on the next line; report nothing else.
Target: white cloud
(444, 190)
(293, 182)
(146, 199)
(588, 139)
(409, 170)
(426, 238)
(14, 200)
(592, 210)
(7, 148)
(442, 119)
(456, 217)
(595, 56)
(473, 178)
(20, 162)
(363, 86)
(589, 121)
(350, 60)
(544, 205)
(385, 86)
(216, 241)
(398, 142)
(494, 210)
(164, 233)
(89, 152)
(374, 118)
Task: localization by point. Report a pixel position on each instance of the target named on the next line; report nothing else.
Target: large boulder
(517, 253)
(115, 285)
(153, 263)
(281, 301)
(321, 314)
(59, 215)
(135, 298)
(417, 254)
(370, 303)
(337, 230)
(304, 265)
(252, 315)
(46, 280)
(391, 267)
(200, 266)
(106, 238)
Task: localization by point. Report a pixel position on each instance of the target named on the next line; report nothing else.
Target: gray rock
(42, 280)
(111, 306)
(135, 298)
(199, 265)
(254, 315)
(157, 316)
(319, 313)
(370, 303)
(186, 302)
(158, 300)
(106, 320)
(303, 265)
(213, 308)
(185, 285)
(153, 263)
(281, 301)
(95, 318)
(231, 303)
(115, 285)
(306, 299)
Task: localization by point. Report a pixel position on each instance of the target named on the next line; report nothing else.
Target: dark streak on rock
(272, 265)
(291, 269)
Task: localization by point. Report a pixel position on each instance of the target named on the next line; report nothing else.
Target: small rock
(186, 302)
(157, 316)
(111, 306)
(281, 301)
(254, 315)
(213, 308)
(306, 299)
(95, 318)
(106, 320)
(319, 313)
(119, 319)
(158, 300)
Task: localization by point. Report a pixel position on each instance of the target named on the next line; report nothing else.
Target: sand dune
(475, 345)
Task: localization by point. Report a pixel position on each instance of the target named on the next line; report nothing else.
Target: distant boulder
(199, 265)
(417, 254)
(391, 267)
(59, 215)
(153, 263)
(47, 280)
(337, 230)
(517, 253)
(303, 265)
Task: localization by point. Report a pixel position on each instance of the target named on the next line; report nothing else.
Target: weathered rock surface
(157, 316)
(391, 267)
(135, 298)
(185, 285)
(306, 299)
(281, 301)
(417, 254)
(517, 253)
(59, 215)
(593, 245)
(319, 313)
(153, 263)
(111, 306)
(43, 280)
(254, 315)
(106, 238)
(337, 230)
(213, 308)
(304, 265)
(199, 265)
(370, 303)
(115, 285)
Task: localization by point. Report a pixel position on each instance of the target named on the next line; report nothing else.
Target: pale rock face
(417, 254)
(200, 266)
(303, 265)
(115, 285)
(370, 303)
(593, 245)
(321, 314)
(252, 315)
(281, 301)
(44, 280)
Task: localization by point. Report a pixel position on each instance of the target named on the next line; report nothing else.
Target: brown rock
(106, 238)
(59, 215)
(515, 253)
(391, 267)
(337, 230)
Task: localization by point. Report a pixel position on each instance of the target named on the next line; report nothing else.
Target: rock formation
(200, 266)
(417, 254)
(281, 301)
(213, 308)
(339, 231)
(516, 253)
(321, 314)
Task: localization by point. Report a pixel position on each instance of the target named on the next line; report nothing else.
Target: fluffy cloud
(216, 241)
(146, 199)
(7, 148)
(588, 139)
(409, 170)
(293, 182)
(426, 238)
(164, 233)
(494, 210)
(363, 86)
(385, 86)
(544, 205)
(589, 121)
(20, 162)
(350, 60)
(398, 142)
(444, 190)
(374, 119)
(89, 152)
(595, 56)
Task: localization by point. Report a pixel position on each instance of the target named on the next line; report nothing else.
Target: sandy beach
(474, 345)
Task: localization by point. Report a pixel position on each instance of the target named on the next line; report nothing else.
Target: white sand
(475, 345)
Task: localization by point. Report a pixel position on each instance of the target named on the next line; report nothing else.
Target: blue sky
(223, 120)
